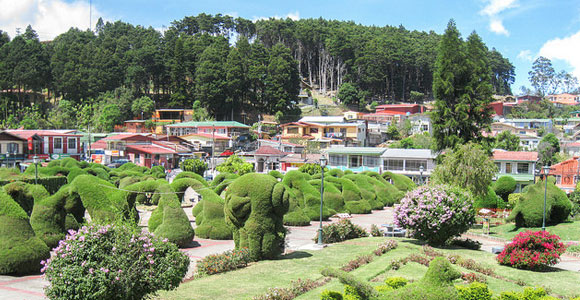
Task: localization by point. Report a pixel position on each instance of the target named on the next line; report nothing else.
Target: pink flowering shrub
(532, 250)
(435, 213)
(112, 262)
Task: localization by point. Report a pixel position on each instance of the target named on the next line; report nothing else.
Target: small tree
(469, 167)
(235, 164)
(508, 141)
(349, 94)
(194, 165)
(143, 107)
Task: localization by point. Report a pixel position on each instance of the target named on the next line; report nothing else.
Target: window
(343, 131)
(193, 130)
(425, 127)
(57, 143)
(355, 161)
(292, 130)
(523, 168)
(415, 165)
(147, 156)
(508, 167)
(337, 160)
(72, 143)
(221, 131)
(313, 130)
(394, 165)
(12, 148)
(137, 158)
(156, 156)
(370, 161)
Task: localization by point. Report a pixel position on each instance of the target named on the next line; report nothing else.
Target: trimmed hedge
(221, 182)
(401, 182)
(504, 186)
(210, 218)
(192, 175)
(367, 190)
(51, 184)
(140, 190)
(101, 198)
(528, 212)
(304, 195)
(256, 214)
(436, 284)
(48, 216)
(490, 200)
(20, 250)
(332, 195)
(73, 173)
(169, 220)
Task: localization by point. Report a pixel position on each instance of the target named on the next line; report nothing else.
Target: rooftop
(210, 123)
(151, 149)
(408, 153)
(322, 119)
(515, 155)
(356, 150)
(29, 133)
(268, 150)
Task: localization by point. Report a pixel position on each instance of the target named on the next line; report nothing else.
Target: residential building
(421, 123)
(352, 115)
(356, 159)
(500, 108)
(567, 174)
(326, 131)
(204, 142)
(530, 123)
(528, 142)
(282, 146)
(563, 99)
(53, 144)
(15, 149)
(519, 165)
(114, 147)
(162, 117)
(293, 161)
(153, 154)
(385, 117)
(133, 126)
(401, 108)
(267, 159)
(572, 148)
(408, 162)
(231, 129)
(528, 98)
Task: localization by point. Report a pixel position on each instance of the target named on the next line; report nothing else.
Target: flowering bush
(112, 262)
(341, 231)
(532, 250)
(435, 213)
(227, 261)
(385, 247)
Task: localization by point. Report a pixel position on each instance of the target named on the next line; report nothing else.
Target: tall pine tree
(462, 90)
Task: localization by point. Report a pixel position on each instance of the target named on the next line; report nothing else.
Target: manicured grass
(258, 277)
(568, 231)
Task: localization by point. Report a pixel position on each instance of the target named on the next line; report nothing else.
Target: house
(519, 165)
(208, 142)
(282, 146)
(401, 108)
(529, 142)
(352, 115)
(567, 174)
(267, 159)
(152, 154)
(421, 123)
(418, 164)
(133, 126)
(500, 108)
(356, 159)
(114, 147)
(499, 127)
(15, 149)
(293, 161)
(528, 98)
(326, 131)
(231, 129)
(530, 123)
(572, 148)
(53, 144)
(563, 99)
(162, 117)
(385, 117)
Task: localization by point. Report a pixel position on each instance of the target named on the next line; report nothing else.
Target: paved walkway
(31, 287)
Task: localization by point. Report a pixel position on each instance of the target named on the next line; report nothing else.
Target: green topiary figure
(20, 250)
(305, 195)
(332, 195)
(210, 218)
(276, 174)
(352, 196)
(528, 212)
(169, 220)
(191, 175)
(401, 182)
(256, 214)
(48, 217)
(19, 192)
(504, 186)
(366, 188)
(143, 192)
(182, 184)
(103, 201)
(73, 173)
(100, 173)
(69, 163)
(221, 182)
(489, 200)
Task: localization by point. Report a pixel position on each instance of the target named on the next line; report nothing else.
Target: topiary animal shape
(21, 251)
(529, 211)
(255, 205)
(169, 220)
(210, 218)
(305, 195)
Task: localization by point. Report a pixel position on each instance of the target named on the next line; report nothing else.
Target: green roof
(356, 150)
(517, 177)
(210, 123)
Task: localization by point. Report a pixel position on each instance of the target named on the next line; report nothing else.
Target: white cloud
(525, 55)
(565, 49)
(292, 15)
(493, 9)
(48, 17)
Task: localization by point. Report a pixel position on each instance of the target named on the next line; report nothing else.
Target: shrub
(310, 168)
(191, 175)
(376, 231)
(227, 261)
(210, 218)
(528, 294)
(341, 231)
(401, 182)
(256, 214)
(435, 213)
(504, 186)
(385, 247)
(169, 220)
(474, 291)
(330, 295)
(48, 217)
(20, 250)
(357, 262)
(298, 288)
(235, 164)
(513, 199)
(473, 277)
(194, 165)
(113, 262)
(532, 250)
(489, 200)
(465, 243)
(296, 218)
(355, 287)
(304, 195)
(396, 282)
(528, 212)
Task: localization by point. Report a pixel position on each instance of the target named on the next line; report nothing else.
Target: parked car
(117, 163)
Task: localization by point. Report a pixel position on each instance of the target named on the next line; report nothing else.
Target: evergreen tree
(210, 77)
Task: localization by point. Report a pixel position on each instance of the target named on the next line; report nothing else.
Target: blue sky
(520, 29)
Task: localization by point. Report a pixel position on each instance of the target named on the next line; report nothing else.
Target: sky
(521, 30)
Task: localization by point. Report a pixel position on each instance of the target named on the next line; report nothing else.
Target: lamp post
(546, 173)
(322, 165)
(421, 175)
(35, 160)
(8, 159)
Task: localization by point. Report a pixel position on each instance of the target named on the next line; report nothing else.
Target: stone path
(31, 287)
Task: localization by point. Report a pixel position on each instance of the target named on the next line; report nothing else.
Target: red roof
(28, 133)
(124, 136)
(99, 145)
(283, 143)
(397, 105)
(267, 150)
(515, 155)
(150, 149)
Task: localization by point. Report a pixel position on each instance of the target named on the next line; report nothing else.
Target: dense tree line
(231, 65)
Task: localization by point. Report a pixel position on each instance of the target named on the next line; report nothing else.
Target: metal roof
(322, 119)
(210, 123)
(409, 153)
(356, 150)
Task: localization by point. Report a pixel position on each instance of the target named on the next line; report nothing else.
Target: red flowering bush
(227, 261)
(532, 250)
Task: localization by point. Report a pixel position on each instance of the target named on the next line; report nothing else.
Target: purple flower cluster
(435, 213)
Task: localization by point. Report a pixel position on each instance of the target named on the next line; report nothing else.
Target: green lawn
(257, 278)
(567, 231)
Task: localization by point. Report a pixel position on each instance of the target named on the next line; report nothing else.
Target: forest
(224, 66)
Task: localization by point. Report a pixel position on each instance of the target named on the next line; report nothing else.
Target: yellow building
(328, 133)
